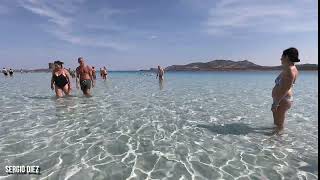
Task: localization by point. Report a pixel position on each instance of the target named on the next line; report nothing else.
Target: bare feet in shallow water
(278, 131)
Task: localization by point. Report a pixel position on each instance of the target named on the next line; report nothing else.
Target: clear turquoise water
(193, 126)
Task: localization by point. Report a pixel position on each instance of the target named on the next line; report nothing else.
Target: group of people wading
(85, 79)
(61, 78)
(103, 73)
(7, 72)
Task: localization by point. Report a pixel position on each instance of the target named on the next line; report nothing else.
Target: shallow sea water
(192, 126)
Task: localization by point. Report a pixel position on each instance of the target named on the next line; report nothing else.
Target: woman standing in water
(60, 81)
(282, 91)
(11, 72)
(160, 73)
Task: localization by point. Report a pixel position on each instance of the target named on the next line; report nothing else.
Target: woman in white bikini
(282, 91)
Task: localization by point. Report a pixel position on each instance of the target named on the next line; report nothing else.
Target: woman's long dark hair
(292, 53)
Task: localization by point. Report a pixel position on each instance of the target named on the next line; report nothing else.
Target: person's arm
(77, 78)
(157, 74)
(91, 76)
(69, 79)
(284, 87)
(52, 82)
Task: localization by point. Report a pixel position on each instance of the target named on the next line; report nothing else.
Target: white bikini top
(278, 81)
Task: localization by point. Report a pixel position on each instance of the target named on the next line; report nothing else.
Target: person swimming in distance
(69, 70)
(72, 73)
(282, 91)
(94, 73)
(5, 71)
(84, 77)
(160, 73)
(60, 80)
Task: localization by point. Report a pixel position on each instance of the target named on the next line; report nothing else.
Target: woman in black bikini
(60, 81)
(11, 72)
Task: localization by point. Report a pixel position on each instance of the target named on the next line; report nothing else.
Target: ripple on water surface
(192, 126)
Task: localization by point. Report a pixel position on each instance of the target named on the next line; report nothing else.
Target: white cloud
(261, 16)
(153, 37)
(45, 11)
(68, 22)
(87, 41)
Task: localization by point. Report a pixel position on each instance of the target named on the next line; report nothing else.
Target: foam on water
(192, 126)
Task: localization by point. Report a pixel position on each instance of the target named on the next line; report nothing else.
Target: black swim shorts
(85, 84)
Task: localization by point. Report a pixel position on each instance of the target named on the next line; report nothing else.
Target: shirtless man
(104, 73)
(160, 73)
(5, 71)
(84, 77)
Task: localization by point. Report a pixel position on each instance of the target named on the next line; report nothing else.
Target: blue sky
(139, 34)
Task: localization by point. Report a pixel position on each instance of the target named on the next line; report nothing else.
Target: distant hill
(216, 65)
(41, 70)
(229, 65)
(307, 67)
(149, 70)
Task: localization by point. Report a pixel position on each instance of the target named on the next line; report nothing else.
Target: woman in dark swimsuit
(60, 81)
(11, 72)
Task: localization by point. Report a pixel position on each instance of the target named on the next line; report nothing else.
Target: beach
(204, 125)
